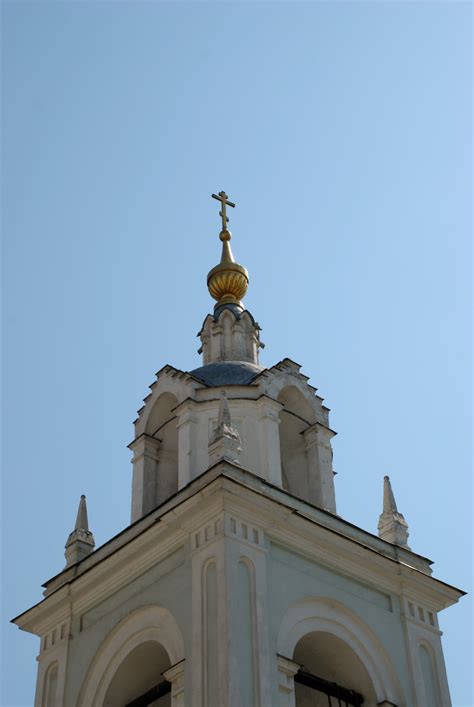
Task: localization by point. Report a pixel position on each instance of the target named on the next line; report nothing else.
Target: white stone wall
(228, 582)
(261, 412)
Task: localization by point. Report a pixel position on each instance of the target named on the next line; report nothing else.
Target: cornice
(286, 520)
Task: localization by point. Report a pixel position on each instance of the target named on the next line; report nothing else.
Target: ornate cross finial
(223, 198)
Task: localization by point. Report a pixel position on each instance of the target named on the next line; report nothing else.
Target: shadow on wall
(138, 673)
(296, 416)
(162, 425)
(331, 659)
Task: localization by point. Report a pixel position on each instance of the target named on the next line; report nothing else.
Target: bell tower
(237, 583)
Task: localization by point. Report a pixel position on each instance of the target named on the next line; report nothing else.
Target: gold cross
(223, 198)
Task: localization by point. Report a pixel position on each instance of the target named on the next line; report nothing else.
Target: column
(186, 442)
(270, 456)
(321, 475)
(145, 471)
(210, 644)
(230, 659)
(52, 666)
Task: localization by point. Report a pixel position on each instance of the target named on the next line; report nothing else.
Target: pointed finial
(389, 505)
(228, 281)
(225, 442)
(392, 525)
(82, 522)
(80, 542)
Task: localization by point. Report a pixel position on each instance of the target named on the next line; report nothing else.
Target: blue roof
(227, 373)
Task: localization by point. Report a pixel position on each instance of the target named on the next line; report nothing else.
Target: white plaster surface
(279, 576)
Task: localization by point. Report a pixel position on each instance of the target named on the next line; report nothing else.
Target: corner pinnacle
(80, 542)
(392, 525)
(225, 442)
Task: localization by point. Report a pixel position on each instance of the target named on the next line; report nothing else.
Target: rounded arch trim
(149, 623)
(321, 614)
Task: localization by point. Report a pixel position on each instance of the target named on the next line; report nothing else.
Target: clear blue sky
(343, 132)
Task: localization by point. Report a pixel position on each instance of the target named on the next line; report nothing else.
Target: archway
(150, 634)
(318, 629)
(295, 417)
(141, 674)
(331, 673)
(162, 425)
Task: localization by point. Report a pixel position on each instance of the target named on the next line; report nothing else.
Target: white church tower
(237, 583)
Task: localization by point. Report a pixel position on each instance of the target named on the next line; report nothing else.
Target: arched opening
(138, 681)
(331, 673)
(162, 425)
(295, 417)
(328, 638)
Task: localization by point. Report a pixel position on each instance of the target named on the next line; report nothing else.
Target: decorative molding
(419, 614)
(247, 532)
(55, 636)
(149, 623)
(207, 533)
(320, 536)
(330, 616)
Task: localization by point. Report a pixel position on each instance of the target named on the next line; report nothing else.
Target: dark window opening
(337, 696)
(150, 696)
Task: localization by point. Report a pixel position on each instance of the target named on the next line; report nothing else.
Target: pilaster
(422, 631)
(217, 343)
(187, 438)
(52, 659)
(287, 670)
(270, 457)
(175, 675)
(209, 615)
(145, 475)
(230, 642)
(321, 475)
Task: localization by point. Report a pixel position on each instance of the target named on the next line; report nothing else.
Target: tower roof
(227, 373)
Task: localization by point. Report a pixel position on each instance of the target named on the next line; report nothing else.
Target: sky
(343, 133)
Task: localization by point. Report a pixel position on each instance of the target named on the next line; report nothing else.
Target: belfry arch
(155, 457)
(140, 673)
(162, 426)
(332, 661)
(330, 641)
(144, 650)
(296, 416)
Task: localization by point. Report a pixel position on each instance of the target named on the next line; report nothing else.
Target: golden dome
(228, 281)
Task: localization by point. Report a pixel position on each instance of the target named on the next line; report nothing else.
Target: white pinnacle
(80, 542)
(225, 442)
(389, 504)
(82, 522)
(392, 525)
(224, 424)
